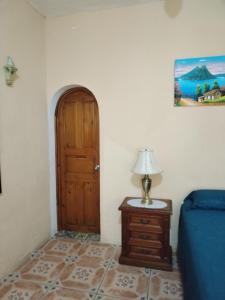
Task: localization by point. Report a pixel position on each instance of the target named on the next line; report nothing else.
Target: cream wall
(126, 56)
(24, 204)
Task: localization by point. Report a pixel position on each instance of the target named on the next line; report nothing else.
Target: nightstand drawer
(145, 228)
(145, 243)
(146, 236)
(137, 251)
(146, 220)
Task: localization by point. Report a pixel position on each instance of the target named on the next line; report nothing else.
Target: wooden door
(77, 133)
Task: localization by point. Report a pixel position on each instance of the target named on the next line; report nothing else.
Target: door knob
(97, 167)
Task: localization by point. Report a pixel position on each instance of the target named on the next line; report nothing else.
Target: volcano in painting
(200, 81)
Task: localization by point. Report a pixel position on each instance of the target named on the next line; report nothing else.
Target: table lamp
(146, 165)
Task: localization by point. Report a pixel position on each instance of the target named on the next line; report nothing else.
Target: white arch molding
(52, 156)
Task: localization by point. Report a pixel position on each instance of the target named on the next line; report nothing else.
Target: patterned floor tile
(72, 234)
(93, 237)
(78, 235)
(97, 249)
(9, 279)
(102, 297)
(67, 294)
(124, 282)
(165, 286)
(117, 253)
(21, 290)
(42, 269)
(69, 268)
(85, 275)
(97, 252)
(62, 247)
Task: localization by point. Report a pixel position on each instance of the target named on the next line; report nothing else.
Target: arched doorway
(77, 160)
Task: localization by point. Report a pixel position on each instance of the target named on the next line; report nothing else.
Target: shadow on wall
(173, 7)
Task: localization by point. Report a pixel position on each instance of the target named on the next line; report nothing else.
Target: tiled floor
(81, 269)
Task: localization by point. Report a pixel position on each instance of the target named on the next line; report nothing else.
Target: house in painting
(212, 95)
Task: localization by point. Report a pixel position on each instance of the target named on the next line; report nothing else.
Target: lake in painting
(200, 81)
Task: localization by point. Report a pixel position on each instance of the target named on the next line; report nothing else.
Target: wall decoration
(200, 81)
(10, 71)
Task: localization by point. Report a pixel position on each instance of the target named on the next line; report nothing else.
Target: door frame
(52, 154)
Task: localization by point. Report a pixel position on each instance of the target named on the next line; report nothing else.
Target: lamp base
(146, 184)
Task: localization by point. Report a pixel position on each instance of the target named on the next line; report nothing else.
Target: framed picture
(200, 81)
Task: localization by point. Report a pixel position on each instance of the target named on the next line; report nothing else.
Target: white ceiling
(53, 8)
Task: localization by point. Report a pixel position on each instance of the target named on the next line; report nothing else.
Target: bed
(201, 245)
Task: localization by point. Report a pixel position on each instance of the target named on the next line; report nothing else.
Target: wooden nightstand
(146, 236)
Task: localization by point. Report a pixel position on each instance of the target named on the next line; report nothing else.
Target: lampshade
(146, 163)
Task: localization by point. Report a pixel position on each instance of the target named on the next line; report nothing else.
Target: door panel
(79, 164)
(91, 203)
(77, 131)
(72, 207)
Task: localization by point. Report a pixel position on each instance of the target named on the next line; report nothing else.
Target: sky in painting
(215, 64)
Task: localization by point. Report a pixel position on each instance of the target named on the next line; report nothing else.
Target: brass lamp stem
(146, 184)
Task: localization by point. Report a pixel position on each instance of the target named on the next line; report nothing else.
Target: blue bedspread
(201, 251)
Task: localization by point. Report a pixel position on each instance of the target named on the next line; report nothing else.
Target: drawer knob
(144, 221)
